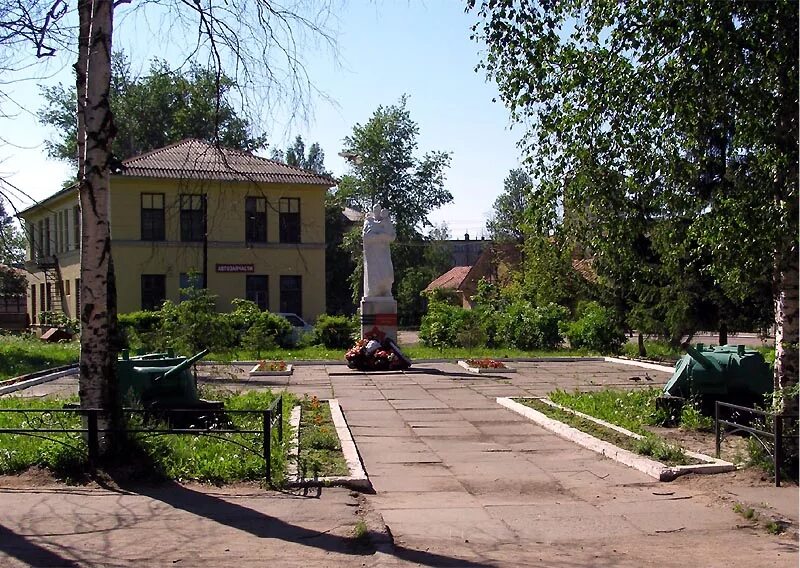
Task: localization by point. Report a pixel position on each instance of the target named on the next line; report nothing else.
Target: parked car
(300, 328)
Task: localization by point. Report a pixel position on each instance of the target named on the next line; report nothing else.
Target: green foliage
(12, 251)
(649, 445)
(180, 457)
(267, 331)
(632, 410)
(335, 332)
(508, 218)
(441, 325)
(12, 282)
(152, 111)
(295, 155)
(693, 419)
(661, 450)
(320, 451)
(529, 327)
(59, 320)
(385, 170)
(596, 329)
(663, 140)
(22, 354)
(657, 350)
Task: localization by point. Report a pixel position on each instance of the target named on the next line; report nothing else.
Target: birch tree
(258, 43)
(687, 109)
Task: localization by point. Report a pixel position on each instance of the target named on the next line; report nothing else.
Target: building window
(33, 303)
(57, 235)
(77, 298)
(192, 217)
(289, 208)
(255, 210)
(47, 237)
(65, 230)
(42, 305)
(76, 226)
(49, 296)
(257, 290)
(30, 229)
(153, 217)
(65, 284)
(292, 295)
(154, 291)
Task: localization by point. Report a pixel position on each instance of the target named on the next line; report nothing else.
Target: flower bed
(271, 368)
(485, 366)
(371, 355)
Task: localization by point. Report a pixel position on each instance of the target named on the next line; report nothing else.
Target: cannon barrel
(184, 365)
(706, 362)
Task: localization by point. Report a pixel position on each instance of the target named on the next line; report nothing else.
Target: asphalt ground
(458, 480)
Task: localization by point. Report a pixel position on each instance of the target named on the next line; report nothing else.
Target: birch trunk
(97, 385)
(787, 320)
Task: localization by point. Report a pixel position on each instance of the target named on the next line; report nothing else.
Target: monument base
(379, 318)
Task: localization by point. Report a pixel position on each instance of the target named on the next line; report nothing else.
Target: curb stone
(647, 466)
(357, 480)
(38, 379)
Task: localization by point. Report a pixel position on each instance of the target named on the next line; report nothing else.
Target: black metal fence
(83, 423)
(756, 429)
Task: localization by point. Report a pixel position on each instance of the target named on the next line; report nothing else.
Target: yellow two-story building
(253, 227)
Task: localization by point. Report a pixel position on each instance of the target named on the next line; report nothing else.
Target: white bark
(787, 319)
(97, 385)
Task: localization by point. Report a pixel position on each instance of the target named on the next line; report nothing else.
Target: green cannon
(160, 380)
(729, 373)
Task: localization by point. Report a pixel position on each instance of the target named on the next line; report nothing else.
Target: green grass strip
(320, 452)
(651, 445)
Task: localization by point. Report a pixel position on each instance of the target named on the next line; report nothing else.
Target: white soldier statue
(378, 234)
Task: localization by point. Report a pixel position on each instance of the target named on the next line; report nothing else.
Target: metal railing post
(716, 428)
(777, 425)
(266, 425)
(93, 438)
(280, 419)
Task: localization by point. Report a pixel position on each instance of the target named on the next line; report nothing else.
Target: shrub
(440, 326)
(141, 322)
(267, 332)
(194, 324)
(529, 327)
(597, 330)
(141, 330)
(335, 332)
(59, 320)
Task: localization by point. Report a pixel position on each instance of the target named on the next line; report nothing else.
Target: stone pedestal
(379, 318)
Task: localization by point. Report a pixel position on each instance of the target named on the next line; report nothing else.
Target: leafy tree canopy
(12, 241)
(665, 130)
(152, 111)
(295, 155)
(508, 218)
(384, 170)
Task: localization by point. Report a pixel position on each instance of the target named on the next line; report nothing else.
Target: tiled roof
(196, 159)
(452, 279)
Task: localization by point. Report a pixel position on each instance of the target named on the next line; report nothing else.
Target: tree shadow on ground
(19, 547)
(261, 525)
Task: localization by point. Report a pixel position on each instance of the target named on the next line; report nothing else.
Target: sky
(385, 48)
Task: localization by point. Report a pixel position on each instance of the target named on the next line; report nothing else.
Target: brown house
(462, 281)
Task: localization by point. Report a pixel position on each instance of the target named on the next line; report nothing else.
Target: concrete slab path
(459, 481)
(463, 479)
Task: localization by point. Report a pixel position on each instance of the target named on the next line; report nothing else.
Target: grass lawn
(320, 451)
(651, 445)
(181, 457)
(20, 354)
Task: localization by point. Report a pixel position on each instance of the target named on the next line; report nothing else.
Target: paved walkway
(459, 481)
(462, 478)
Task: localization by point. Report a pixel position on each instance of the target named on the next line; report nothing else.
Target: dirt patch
(733, 448)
